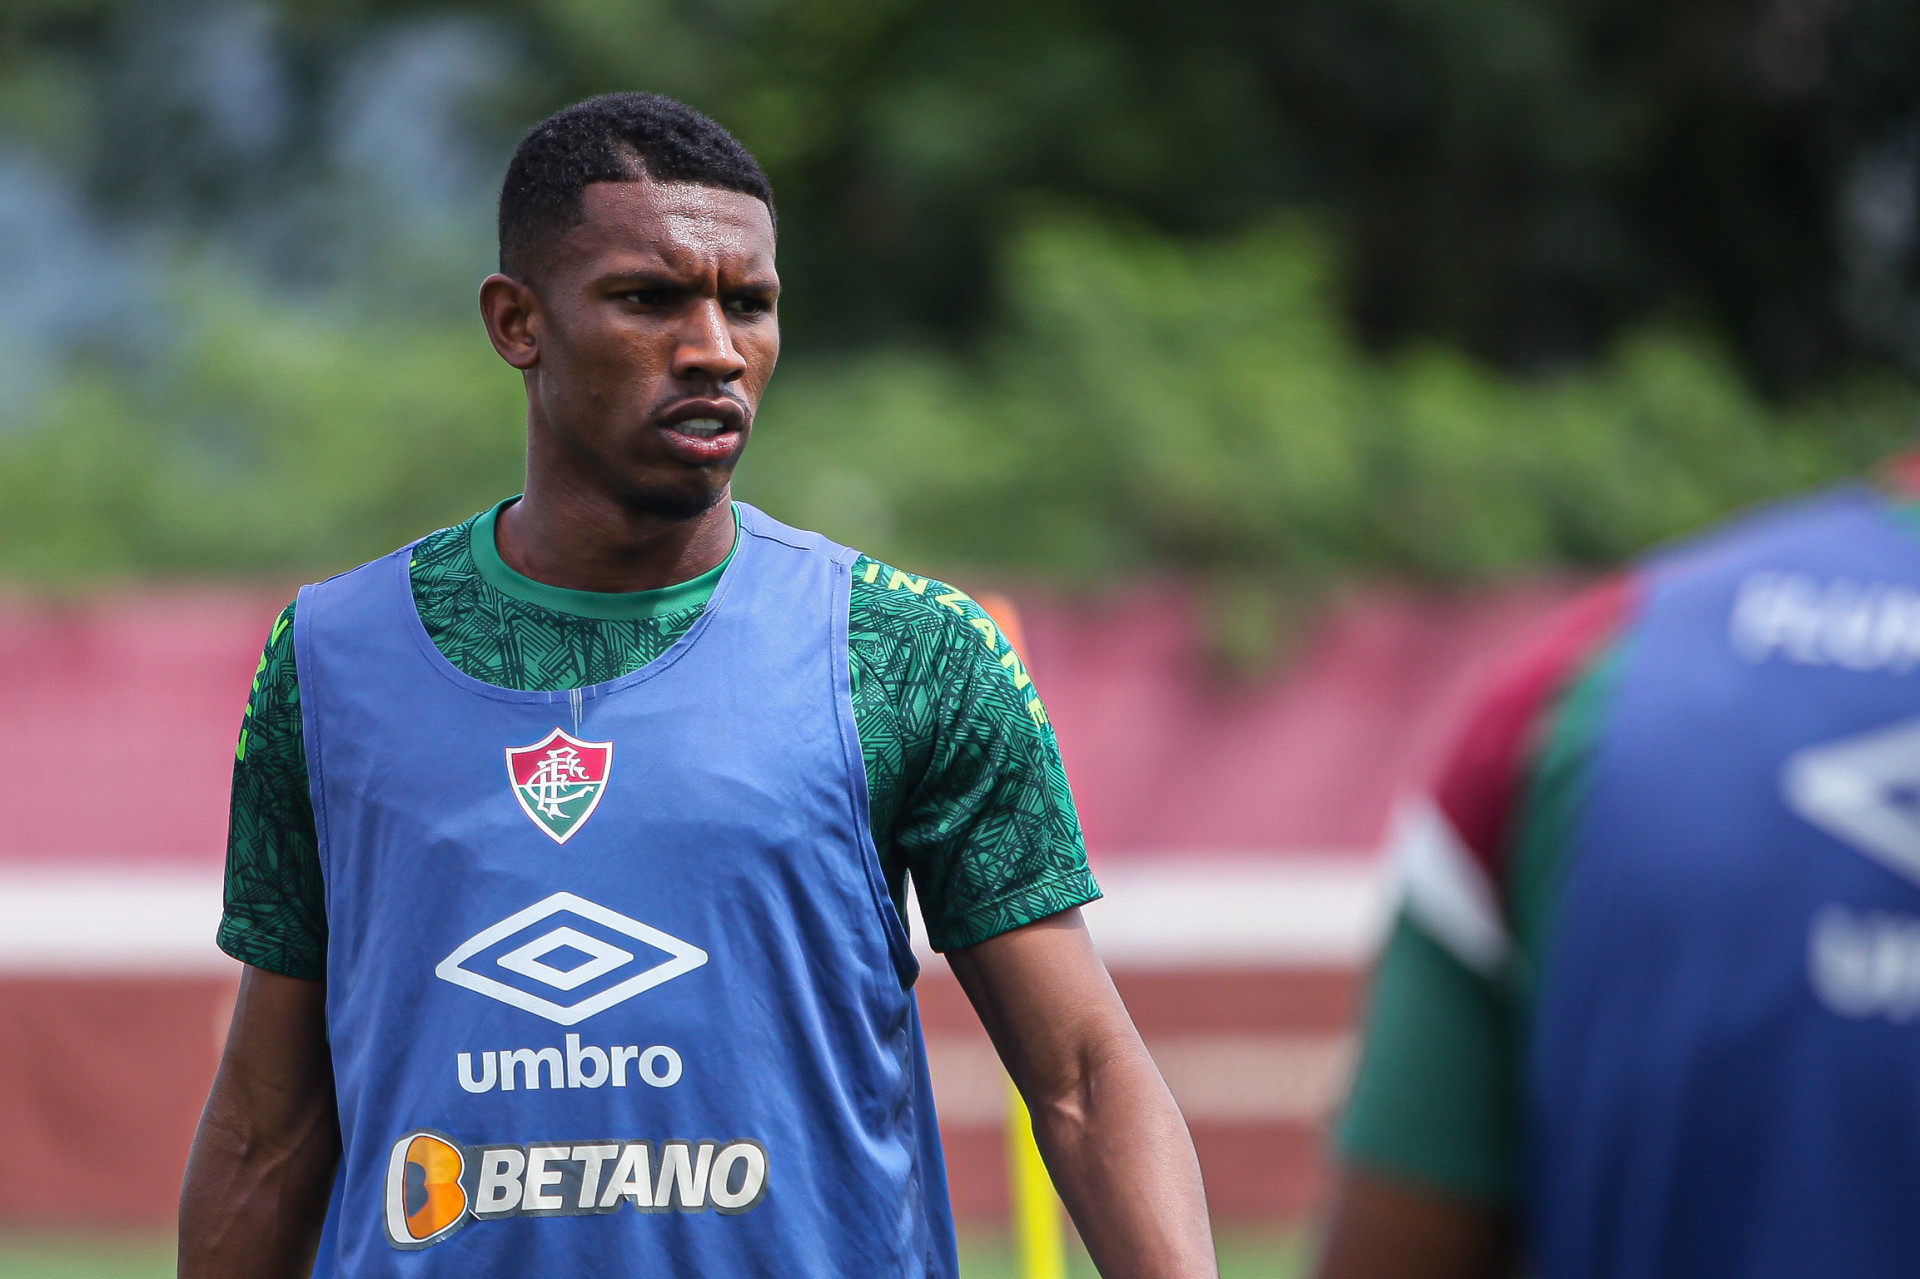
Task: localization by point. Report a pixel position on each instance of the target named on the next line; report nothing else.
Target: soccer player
(1652, 1004)
(570, 845)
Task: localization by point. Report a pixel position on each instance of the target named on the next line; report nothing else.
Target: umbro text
(510, 1069)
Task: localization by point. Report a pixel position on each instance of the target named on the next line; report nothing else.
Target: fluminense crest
(559, 781)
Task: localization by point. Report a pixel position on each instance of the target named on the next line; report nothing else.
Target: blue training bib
(1724, 1076)
(614, 985)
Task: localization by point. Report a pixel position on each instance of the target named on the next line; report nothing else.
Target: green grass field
(38, 1256)
(1243, 1255)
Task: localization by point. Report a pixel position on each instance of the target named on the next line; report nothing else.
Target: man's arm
(263, 1159)
(1383, 1228)
(1112, 1136)
(1430, 1142)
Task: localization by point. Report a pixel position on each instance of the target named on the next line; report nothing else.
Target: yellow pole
(1038, 1240)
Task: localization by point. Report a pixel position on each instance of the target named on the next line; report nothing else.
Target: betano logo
(425, 1200)
(435, 1185)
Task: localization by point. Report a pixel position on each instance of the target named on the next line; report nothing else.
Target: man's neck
(590, 542)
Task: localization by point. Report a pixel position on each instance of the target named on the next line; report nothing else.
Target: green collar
(608, 605)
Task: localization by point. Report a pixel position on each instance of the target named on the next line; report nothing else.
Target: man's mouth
(704, 434)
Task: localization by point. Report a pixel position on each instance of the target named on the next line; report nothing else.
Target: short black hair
(616, 137)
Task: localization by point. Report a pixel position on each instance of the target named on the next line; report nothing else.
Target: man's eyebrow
(657, 281)
(643, 278)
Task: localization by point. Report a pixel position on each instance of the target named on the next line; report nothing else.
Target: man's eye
(646, 297)
(749, 306)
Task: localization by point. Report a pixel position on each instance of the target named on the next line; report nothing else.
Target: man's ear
(511, 312)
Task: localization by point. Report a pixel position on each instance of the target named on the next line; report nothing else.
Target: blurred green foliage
(1153, 406)
(1146, 405)
(1270, 294)
(277, 440)
(1523, 179)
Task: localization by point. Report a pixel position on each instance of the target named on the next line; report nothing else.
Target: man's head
(637, 295)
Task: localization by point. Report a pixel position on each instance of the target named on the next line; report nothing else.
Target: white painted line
(969, 1084)
(1163, 913)
(1237, 1078)
(1282, 911)
(1215, 1078)
(110, 920)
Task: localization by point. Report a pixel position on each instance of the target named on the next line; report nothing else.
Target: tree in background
(1278, 292)
(1523, 178)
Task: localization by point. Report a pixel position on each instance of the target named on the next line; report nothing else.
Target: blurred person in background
(622, 713)
(1651, 1006)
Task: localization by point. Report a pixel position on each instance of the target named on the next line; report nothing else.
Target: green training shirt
(968, 797)
(1437, 1100)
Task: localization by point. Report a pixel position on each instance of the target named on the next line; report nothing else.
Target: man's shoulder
(913, 608)
(1483, 773)
(436, 559)
(1453, 843)
(1787, 521)
(443, 551)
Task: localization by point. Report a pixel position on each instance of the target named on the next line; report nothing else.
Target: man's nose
(706, 351)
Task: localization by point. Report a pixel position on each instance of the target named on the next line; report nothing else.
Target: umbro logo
(567, 959)
(1865, 790)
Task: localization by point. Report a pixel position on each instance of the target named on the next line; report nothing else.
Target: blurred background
(1279, 359)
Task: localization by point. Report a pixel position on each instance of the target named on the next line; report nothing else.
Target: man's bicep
(275, 912)
(277, 1042)
(1045, 999)
(1435, 1101)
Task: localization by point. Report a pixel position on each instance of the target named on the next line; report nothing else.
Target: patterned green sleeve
(275, 900)
(969, 795)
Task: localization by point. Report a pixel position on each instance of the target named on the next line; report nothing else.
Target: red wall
(102, 1081)
(101, 1084)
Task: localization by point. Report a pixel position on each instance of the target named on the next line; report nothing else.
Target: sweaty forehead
(678, 225)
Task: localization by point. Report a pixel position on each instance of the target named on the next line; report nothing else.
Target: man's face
(653, 332)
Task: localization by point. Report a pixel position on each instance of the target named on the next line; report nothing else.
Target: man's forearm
(1112, 1136)
(263, 1158)
(1124, 1164)
(252, 1209)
